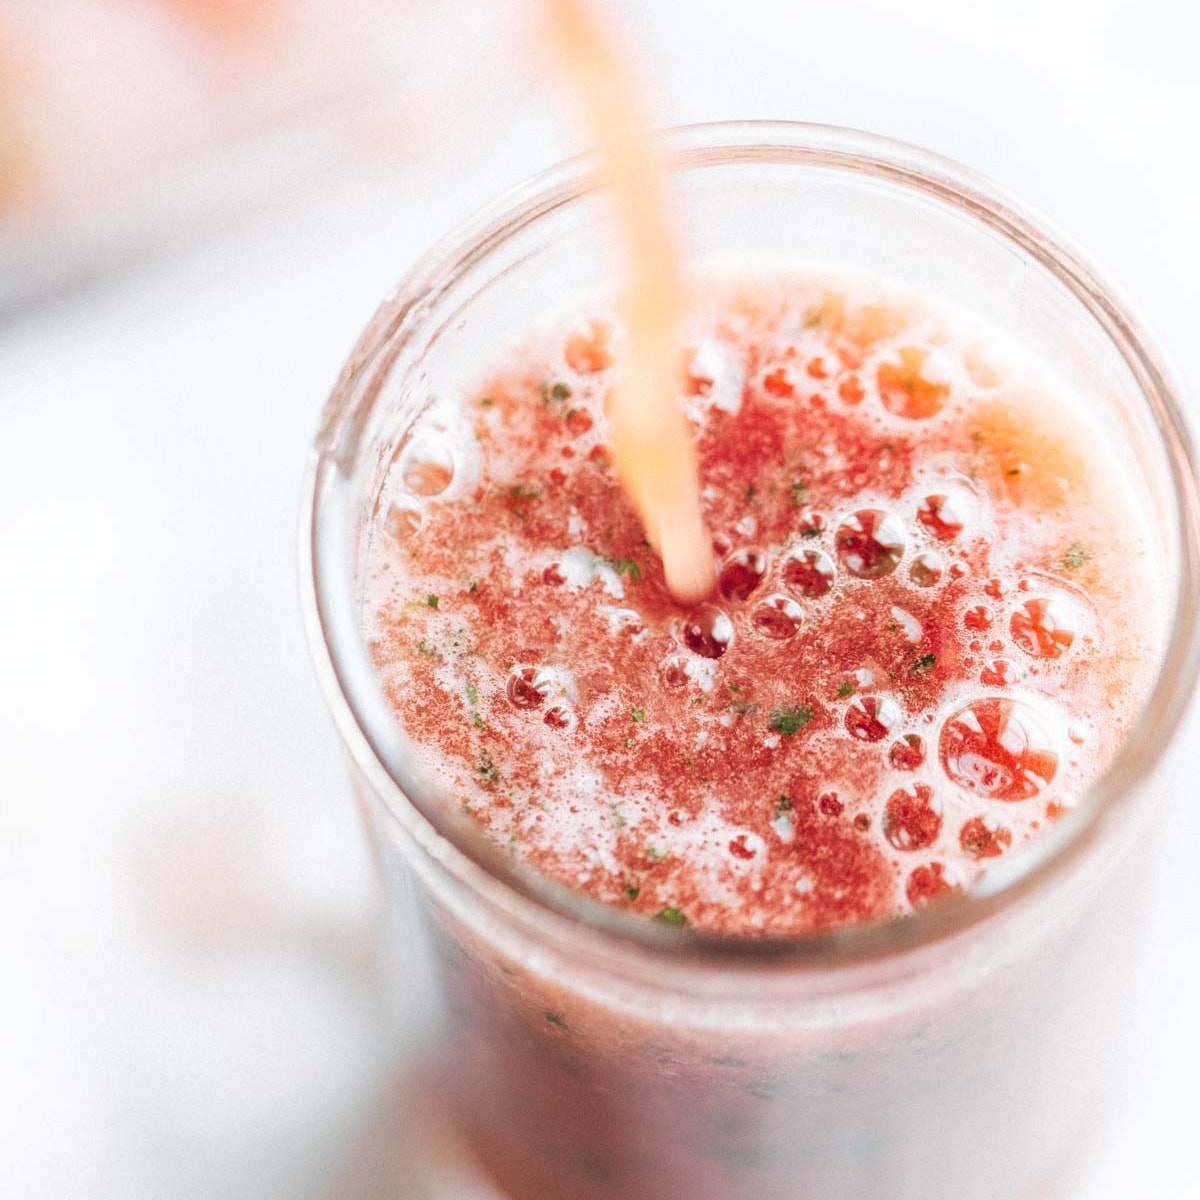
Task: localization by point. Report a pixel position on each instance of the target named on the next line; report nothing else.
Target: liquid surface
(935, 616)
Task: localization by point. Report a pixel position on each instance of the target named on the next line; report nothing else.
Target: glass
(585, 1053)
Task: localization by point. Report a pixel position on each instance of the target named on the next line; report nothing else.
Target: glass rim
(343, 665)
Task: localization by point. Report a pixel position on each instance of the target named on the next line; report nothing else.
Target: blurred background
(201, 203)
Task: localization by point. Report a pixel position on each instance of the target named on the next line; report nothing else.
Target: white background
(186, 1005)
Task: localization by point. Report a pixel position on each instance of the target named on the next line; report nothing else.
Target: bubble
(528, 687)
(870, 543)
(777, 617)
(672, 673)
(984, 838)
(403, 519)
(708, 631)
(809, 573)
(912, 819)
(864, 677)
(746, 846)
(578, 421)
(998, 673)
(926, 569)
(560, 717)
(812, 523)
(999, 749)
(907, 753)
(850, 389)
(741, 573)
(911, 382)
(428, 468)
(829, 804)
(978, 618)
(871, 718)
(722, 543)
(944, 516)
(1043, 628)
(928, 882)
(586, 350)
(778, 383)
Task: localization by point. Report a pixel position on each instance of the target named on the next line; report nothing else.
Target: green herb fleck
(523, 491)
(488, 772)
(472, 694)
(790, 721)
(810, 531)
(814, 318)
(476, 720)
(560, 391)
(923, 665)
(799, 492)
(783, 804)
(427, 649)
(632, 892)
(751, 493)
(473, 588)
(618, 817)
(556, 1019)
(626, 566)
(486, 402)
(672, 916)
(638, 714)
(1075, 556)
(845, 688)
(654, 854)
(432, 600)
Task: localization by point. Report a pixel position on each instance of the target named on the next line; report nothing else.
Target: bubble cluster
(881, 696)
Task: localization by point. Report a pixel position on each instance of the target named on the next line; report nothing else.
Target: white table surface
(184, 894)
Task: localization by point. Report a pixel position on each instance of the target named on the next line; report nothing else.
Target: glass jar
(586, 1053)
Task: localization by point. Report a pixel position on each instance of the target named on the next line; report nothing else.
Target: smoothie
(921, 647)
(935, 614)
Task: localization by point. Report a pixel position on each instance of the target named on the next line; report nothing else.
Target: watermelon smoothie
(801, 890)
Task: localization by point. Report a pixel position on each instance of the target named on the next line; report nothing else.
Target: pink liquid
(922, 648)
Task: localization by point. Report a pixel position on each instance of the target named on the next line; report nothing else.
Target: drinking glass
(581, 1052)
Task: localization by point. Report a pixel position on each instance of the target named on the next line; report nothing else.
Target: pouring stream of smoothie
(651, 443)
